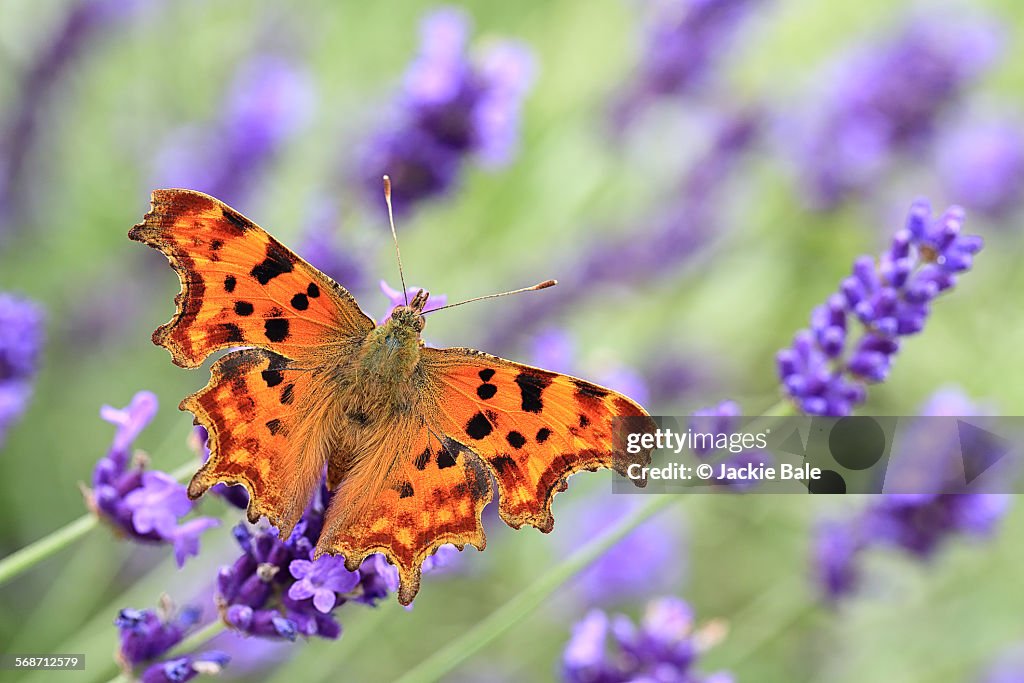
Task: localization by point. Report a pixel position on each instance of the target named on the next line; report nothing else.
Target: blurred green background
(726, 313)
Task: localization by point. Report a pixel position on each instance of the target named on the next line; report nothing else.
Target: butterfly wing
(413, 493)
(267, 412)
(533, 428)
(266, 421)
(478, 415)
(239, 285)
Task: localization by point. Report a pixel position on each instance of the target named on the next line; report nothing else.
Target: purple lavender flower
(145, 506)
(837, 548)
(145, 635)
(21, 340)
(186, 668)
(267, 103)
(321, 580)
(916, 523)
(267, 591)
(664, 647)
(396, 298)
(825, 372)
(885, 102)
(377, 580)
(920, 522)
(685, 42)
(982, 165)
(449, 108)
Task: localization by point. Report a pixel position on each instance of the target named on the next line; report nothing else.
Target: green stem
(515, 610)
(197, 639)
(26, 558)
(22, 560)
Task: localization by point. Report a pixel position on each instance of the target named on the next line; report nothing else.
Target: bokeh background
(698, 174)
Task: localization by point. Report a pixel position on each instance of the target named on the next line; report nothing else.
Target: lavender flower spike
(886, 102)
(684, 42)
(664, 647)
(450, 108)
(267, 104)
(826, 370)
(21, 339)
(145, 506)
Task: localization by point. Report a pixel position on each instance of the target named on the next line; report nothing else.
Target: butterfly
(411, 436)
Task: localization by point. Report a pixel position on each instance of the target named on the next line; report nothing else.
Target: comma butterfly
(411, 436)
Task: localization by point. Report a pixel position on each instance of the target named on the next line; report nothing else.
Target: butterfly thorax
(392, 351)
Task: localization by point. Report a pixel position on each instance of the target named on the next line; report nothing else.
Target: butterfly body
(411, 437)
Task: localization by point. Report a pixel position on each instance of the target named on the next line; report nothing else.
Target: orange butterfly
(410, 435)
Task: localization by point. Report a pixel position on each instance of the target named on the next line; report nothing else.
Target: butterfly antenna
(391, 220)
(539, 285)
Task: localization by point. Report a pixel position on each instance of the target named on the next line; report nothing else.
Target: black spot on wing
(515, 439)
(300, 302)
(486, 391)
(584, 421)
(272, 377)
(276, 329)
(445, 458)
(531, 386)
(274, 426)
(313, 291)
(406, 491)
(486, 374)
(229, 283)
(542, 434)
(215, 245)
(243, 308)
(288, 395)
(277, 262)
(478, 426)
(232, 333)
(423, 459)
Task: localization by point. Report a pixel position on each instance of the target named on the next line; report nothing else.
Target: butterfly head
(411, 316)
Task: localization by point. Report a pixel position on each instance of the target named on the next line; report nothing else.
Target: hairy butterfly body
(411, 436)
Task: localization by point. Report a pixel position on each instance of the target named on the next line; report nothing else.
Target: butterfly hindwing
(239, 285)
(533, 428)
(417, 493)
(265, 423)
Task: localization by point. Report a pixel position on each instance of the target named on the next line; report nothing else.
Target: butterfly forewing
(532, 427)
(240, 286)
